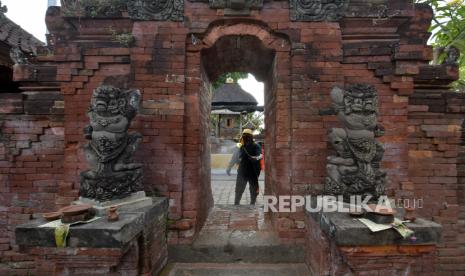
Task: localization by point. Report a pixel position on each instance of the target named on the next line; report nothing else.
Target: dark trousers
(241, 182)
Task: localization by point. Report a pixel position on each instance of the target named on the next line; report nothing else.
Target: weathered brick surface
(436, 167)
(382, 43)
(79, 261)
(324, 257)
(31, 167)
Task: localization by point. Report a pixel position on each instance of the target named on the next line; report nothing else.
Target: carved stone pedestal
(132, 202)
(338, 244)
(133, 245)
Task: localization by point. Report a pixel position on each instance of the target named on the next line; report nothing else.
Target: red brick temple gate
(173, 50)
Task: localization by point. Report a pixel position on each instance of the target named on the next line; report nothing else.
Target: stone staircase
(234, 246)
(235, 269)
(236, 241)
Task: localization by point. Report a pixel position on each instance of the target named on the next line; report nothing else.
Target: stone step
(235, 269)
(232, 246)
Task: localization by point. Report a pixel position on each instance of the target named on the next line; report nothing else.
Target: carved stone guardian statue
(355, 169)
(113, 174)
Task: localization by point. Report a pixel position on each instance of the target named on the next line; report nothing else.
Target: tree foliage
(234, 75)
(448, 29)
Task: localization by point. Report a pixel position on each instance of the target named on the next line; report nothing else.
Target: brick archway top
(241, 47)
(238, 53)
(258, 29)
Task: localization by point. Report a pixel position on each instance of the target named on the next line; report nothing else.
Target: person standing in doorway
(248, 156)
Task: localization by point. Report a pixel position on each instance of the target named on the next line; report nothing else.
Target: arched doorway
(249, 47)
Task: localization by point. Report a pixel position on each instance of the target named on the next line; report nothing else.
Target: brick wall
(31, 166)
(436, 170)
(325, 257)
(158, 72)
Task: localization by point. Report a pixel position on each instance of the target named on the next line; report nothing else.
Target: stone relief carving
(3, 9)
(17, 56)
(453, 55)
(113, 174)
(446, 55)
(93, 8)
(355, 169)
(317, 10)
(156, 9)
(236, 4)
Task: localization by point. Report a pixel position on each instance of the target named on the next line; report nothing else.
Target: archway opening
(246, 54)
(237, 105)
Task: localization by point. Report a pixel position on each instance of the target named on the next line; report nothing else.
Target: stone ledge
(136, 200)
(229, 246)
(98, 234)
(347, 231)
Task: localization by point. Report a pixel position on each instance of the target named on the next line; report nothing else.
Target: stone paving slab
(237, 234)
(236, 217)
(236, 269)
(236, 238)
(224, 186)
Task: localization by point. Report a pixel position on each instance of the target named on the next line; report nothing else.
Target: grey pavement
(223, 188)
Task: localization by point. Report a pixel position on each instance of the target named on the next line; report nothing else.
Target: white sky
(29, 14)
(251, 85)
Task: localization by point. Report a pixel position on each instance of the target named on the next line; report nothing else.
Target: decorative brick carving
(156, 9)
(317, 10)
